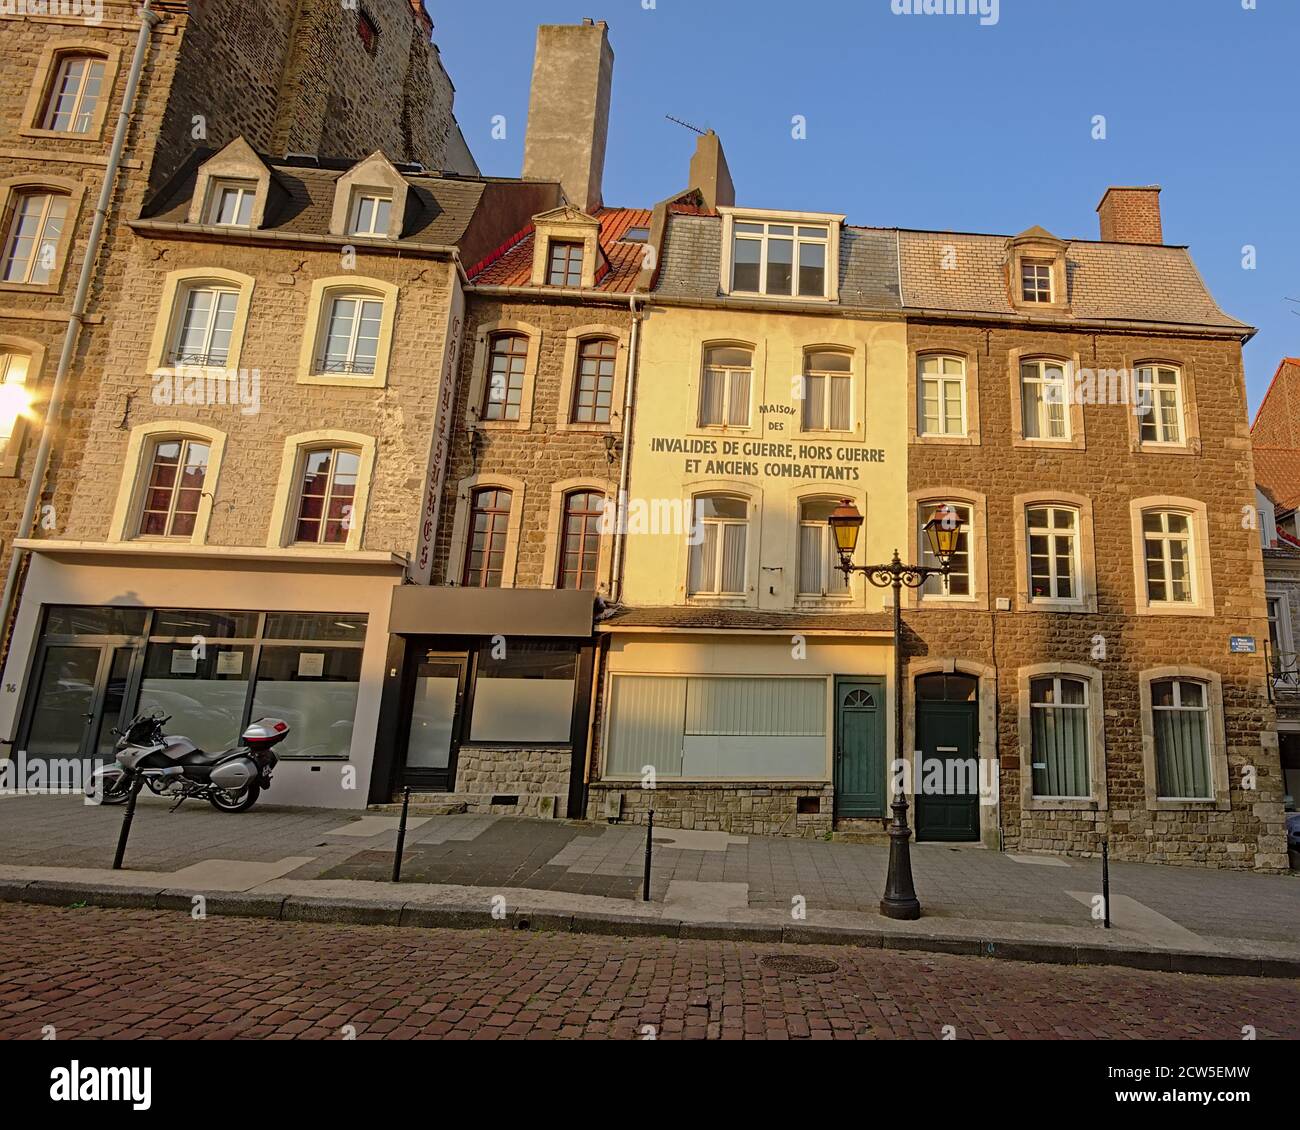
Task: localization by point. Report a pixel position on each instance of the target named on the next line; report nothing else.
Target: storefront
(103, 634)
(488, 699)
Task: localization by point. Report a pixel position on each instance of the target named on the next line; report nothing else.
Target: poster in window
(311, 664)
(184, 662)
(230, 663)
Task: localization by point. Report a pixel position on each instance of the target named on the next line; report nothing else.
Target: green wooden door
(859, 748)
(947, 732)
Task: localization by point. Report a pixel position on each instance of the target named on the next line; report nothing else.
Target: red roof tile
(1277, 423)
(1278, 471)
(513, 264)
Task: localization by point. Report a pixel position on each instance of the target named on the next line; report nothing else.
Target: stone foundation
(539, 777)
(759, 810)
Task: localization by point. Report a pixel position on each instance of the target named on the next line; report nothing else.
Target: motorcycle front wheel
(236, 802)
(112, 795)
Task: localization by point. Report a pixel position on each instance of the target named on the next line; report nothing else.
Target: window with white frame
(370, 213)
(31, 248)
(1053, 552)
(772, 258)
(828, 391)
(230, 203)
(941, 383)
(178, 469)
(819, 572)
(1167, 549)
(203, 326)
(1036, 280)
(960, 580)
(1060, 737)
(725, 387)
(1044, 400)
(1181, 723)
(719, 546)
(1160, 404)
(75, 94)
(350, 334)
(327, 489)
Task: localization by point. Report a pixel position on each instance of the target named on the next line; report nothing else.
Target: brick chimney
(1131, 215)
(709, 172)
(568, 110)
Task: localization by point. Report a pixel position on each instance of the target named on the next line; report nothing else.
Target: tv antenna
(695, 129)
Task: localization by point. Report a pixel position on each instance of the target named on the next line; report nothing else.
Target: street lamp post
(942, 532)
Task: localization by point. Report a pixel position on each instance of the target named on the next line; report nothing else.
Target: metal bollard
(136, 784)
(401, 835)
(649, 848)
(1105, 882)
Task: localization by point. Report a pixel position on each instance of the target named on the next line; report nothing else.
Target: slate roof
(738, 619)
(514, 266)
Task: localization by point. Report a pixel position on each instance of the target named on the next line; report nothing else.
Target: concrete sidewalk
(480, 871)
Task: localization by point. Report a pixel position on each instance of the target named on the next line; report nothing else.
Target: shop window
(524, 695)
(314, 688)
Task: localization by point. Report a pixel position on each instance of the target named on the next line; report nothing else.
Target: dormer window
(565, 267)
(781, 255)
(230, 203)
(1036, 280)
(371, 212)
(1036, 271)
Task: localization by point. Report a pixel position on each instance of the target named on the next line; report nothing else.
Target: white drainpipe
(148, 20)
(620, 532)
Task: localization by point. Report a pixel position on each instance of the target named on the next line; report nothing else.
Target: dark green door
(947, 783)
(859, 748)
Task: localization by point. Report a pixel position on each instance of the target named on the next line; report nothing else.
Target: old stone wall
(767, 810)
(537, 777)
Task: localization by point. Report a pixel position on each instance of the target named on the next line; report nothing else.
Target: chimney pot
(1131, 215)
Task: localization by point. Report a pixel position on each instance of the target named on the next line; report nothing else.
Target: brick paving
(251, 978)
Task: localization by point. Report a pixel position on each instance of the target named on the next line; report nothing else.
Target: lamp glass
(846, 523)
(942, 531)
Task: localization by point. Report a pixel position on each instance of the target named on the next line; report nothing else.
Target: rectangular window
(1167, 542)
(1160, 404)
(371, 212)
(779, 259)
(504, 391)
(1036, 280)
(32, 241)
(828, 392)
(593, 391)
(352, 335)
(326, 495)
(1181, 721)
(205, 327)
(1044, 398)
(960, 582)
(565, 263)
(231, 203)
(174, 489)
(525, 695)
(1053, 553)
(13, 395)
(718, 557)
(942, 385)
(725, 387)
(1058, 716)
(819, 574)
(75, 95)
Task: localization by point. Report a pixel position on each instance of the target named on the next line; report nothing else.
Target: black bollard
(401, 836)
(136, 783)
(649, 847)
(1105, 882)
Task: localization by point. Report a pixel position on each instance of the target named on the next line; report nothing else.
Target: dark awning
(421, 610)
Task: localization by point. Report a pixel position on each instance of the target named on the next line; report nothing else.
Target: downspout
(148, 21)
(620, 530)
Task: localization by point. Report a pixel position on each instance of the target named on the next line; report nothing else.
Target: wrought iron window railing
(1283, 675)
(330, 365)
(205, 360)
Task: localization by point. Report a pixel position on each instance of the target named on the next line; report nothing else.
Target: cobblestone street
(225, 977)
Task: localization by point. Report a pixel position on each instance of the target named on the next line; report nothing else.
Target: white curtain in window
(1060, 747)
(811, 566)
(841, 394)
(1182, 754)
(646, 715)
(733, 558)
(814, 404)
(738, 414)
(712, 394)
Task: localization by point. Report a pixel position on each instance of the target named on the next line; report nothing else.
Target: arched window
(1181, 721)
(14, 394)
(593, 391)
(31, 248)
(719, 546)
(1060, 737)
(725, 387)
(503, 391)
(327, 490)
(819, 574)
(74, 94)
(488, 533)
(828, 391)
(580, 550)
(177, 473)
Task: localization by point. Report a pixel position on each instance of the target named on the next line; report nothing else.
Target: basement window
(368, 33)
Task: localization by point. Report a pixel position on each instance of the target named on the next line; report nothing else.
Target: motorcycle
(173, 766)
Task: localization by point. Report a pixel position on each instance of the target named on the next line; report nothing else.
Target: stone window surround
(833, 222)
(1071, 365)
(1086, 558)
(1219, 774)
(47, 68)
(12, 453)
(10, 189)
(573, 340)
(375, 173)
(560, 491)
(565, 225)
(1045, 248)
(858, 397)
(810, 492)
(479, 374)
(346, 286)
(753, 498)
(235, 162)
(460, 528)
(1202, 577)
(1191, 422)
(284, 509)
(176, 284)
(970, 360)
(978, 601)
(695, 388)
(1097, 800)
(125, 520)
(987, 729)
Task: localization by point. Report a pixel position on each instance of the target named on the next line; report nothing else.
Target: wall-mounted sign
(230, 663)
(311, 664)
(184, 662)
(752, 458)
(1242, 645)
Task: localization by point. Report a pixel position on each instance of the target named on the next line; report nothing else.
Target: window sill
(1168, 449)
(344, 380)
(753, 296)
(1071, 607)
(1199, 804)
(1063, 804)
(95, 135)
(612, 427)
(1074, 443)
(968, 440)
(34, 288)
(520, 425)
(1144, 609)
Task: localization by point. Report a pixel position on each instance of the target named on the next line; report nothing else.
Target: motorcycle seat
(202, 757)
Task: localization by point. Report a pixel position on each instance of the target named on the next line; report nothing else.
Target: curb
(398, 912)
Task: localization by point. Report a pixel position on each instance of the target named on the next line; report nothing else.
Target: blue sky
(939, 122)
